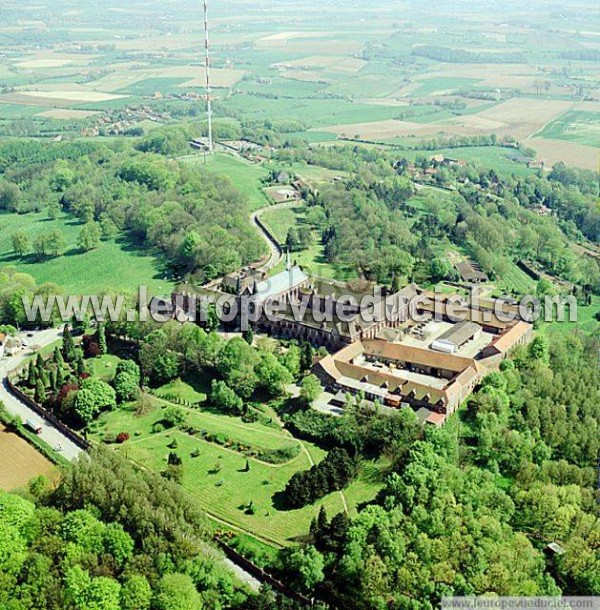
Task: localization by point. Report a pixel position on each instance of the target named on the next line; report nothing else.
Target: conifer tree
(53, 380)
(102, 338)
(32, 375)
(40, 392)
(42, 375)
(69, 352)
(80, 365)
(60, 378)
(58, 357)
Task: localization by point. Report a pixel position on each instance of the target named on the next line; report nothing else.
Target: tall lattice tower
(207, 70)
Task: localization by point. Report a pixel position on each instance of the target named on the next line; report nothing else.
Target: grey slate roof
(280, 283)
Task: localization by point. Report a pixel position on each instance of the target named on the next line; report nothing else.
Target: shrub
(158, 427)
(122, 437)
(173, 416)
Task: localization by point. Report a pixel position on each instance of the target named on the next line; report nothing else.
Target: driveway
(13, 405)
(275, 248)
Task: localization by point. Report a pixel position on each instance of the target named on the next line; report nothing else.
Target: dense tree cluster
(463, 56)
(14, 286)
(332, 474)
(198, 220)
(110, 538)
(174, 349)
(369, 223)
(471, 508)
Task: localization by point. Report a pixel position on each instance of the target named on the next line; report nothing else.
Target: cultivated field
(20, 462)
(368, 71)
(571, 153)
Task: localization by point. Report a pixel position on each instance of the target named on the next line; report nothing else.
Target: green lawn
(586, 321)
(217, 476)
(280, 221)
(245, 176)
(103, 367)
(117, 265)
(514, 279)
(312, 260)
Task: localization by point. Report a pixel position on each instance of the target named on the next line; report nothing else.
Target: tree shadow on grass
(134, 245)
(279, 502)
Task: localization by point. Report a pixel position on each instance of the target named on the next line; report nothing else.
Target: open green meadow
(311, 259)
(245, 176)
(115, 266)
(587, 322)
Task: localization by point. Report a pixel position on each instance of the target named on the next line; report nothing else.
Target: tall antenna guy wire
(208, 89)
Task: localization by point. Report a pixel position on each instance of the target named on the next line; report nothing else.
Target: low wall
(267, 232)
(47, 415)
(260, 574)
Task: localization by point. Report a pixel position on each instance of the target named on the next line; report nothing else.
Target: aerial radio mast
(207, 69)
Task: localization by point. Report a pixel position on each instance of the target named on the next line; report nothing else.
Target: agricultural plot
(67, 114)
(519, 118)
(20, 462)
(57, 98)
(575, 126)
(571, 153)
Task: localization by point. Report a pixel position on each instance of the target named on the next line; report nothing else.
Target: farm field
(115, 266)
(571, 153)
(20, 462)
(575, 126)
(358, 70)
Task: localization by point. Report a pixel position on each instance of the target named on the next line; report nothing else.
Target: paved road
(244, 576)
(49, 434)
(275, 250)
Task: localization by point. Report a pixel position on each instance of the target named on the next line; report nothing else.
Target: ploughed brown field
(20, 462)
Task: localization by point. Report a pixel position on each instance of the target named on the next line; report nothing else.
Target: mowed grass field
(586, 321)
(20, 462)
(117, 265)
(218, 478)
(245, 176)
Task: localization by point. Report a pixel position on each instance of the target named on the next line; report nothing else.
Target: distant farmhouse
(431, 365)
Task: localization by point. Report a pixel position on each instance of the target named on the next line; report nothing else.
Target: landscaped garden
(234, 455)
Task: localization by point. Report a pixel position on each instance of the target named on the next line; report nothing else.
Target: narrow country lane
(275, 248)
(50, 434)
